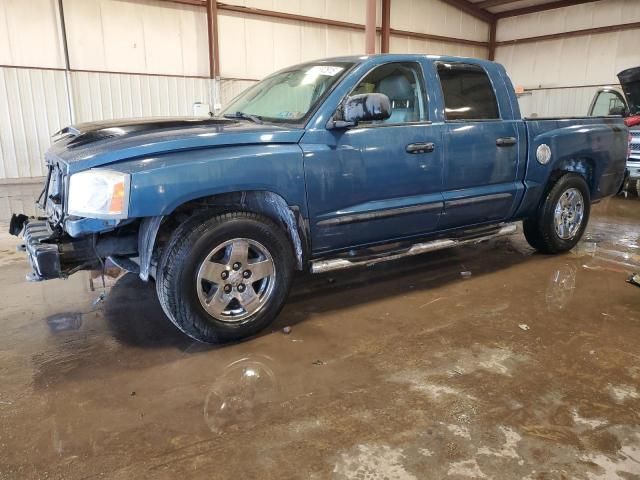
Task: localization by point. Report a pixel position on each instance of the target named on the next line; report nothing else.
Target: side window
(468, 94)
(607, 103)
(404, 85)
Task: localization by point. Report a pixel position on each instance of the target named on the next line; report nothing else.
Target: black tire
(176, 281)
(540, 231)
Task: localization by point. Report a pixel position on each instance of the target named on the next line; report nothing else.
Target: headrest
(396, 87)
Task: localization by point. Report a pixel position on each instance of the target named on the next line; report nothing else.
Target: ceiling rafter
(493, 3)
(471, 9)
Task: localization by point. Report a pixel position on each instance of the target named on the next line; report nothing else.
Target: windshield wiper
(244, 116)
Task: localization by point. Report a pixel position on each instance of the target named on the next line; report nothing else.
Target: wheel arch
(583, 166)
(154, 231)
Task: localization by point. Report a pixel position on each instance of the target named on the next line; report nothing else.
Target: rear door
(481, 146)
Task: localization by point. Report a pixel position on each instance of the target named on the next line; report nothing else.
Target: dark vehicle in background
(624, 101)
(320, 166)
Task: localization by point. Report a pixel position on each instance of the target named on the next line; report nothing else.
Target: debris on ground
(523, 326)
(429, 303)
(319, 362)
(286, 330)
(100, 299)
(465, 274)
(634, 279)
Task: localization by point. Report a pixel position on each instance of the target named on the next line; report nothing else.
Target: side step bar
(321, 266)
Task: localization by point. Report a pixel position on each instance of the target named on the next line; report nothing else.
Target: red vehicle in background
(624, 101)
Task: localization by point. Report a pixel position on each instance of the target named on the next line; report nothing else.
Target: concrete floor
(528, 369)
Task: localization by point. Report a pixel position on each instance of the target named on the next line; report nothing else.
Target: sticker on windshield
(328, 70)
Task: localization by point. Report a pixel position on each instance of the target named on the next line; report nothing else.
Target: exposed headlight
(99, 193)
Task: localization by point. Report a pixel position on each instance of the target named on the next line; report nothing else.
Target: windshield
(289, 96)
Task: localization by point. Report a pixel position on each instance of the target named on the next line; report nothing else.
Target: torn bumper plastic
(44, 257)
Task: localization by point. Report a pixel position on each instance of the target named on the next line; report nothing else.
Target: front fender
(162, 183)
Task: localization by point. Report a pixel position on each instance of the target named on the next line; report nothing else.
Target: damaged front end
(51, 249)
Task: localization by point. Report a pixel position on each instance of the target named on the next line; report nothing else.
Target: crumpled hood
(89, 145)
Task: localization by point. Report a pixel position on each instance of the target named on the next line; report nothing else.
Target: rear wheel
(225, 277)
(562, 217)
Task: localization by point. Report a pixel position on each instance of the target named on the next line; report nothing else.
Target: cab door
(381, 180)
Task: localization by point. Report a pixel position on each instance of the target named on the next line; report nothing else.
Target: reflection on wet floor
(527, 368)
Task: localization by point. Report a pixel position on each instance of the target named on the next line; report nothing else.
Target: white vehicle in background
(624, 100)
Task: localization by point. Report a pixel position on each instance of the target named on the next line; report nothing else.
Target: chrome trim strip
(391, 212)
(484, 198)
(321, 266)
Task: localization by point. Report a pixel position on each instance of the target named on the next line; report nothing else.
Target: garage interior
(481, 361)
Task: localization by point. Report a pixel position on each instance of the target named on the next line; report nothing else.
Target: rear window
(468, 94)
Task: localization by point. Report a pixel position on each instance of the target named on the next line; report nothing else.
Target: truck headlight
(99, 193)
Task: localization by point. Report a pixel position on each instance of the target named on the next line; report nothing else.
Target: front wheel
(225, 277)
(562, 217)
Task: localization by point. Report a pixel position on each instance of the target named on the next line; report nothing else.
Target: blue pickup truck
(325, 165)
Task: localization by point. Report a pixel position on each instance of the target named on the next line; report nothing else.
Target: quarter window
(402, 82)
(468, 93)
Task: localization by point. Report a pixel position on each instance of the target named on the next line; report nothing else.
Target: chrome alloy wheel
(569, 213)
(236, 279)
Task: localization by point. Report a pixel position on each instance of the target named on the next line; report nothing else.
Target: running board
(321, 266)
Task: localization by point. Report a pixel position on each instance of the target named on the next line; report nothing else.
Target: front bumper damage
(44, 257)
(52, 253)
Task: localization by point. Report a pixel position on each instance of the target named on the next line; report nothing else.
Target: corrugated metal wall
(577, 61)
(164, 41)
(142, 36)
(33, 105)
(110, 95)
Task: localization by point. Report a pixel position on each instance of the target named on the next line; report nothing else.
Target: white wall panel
(29, 34)
(437, 18)
(143, 36)
(99, 96)
(344, 10)
(33, 106)
(577, 17)
(581, 61)
(253, 46)
(573, 61)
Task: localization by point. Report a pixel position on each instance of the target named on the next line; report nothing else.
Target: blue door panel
(363, 187)
(480, 176)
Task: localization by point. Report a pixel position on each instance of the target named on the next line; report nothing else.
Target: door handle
(506, 141)
(421, 147)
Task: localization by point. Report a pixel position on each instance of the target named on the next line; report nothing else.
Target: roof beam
(471, 9)
(493, 3)
(197, 3)
(542, 8)
(574, 33)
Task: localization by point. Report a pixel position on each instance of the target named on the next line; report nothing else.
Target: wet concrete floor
(527, 369)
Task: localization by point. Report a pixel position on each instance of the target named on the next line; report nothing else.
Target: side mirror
(361, 108)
